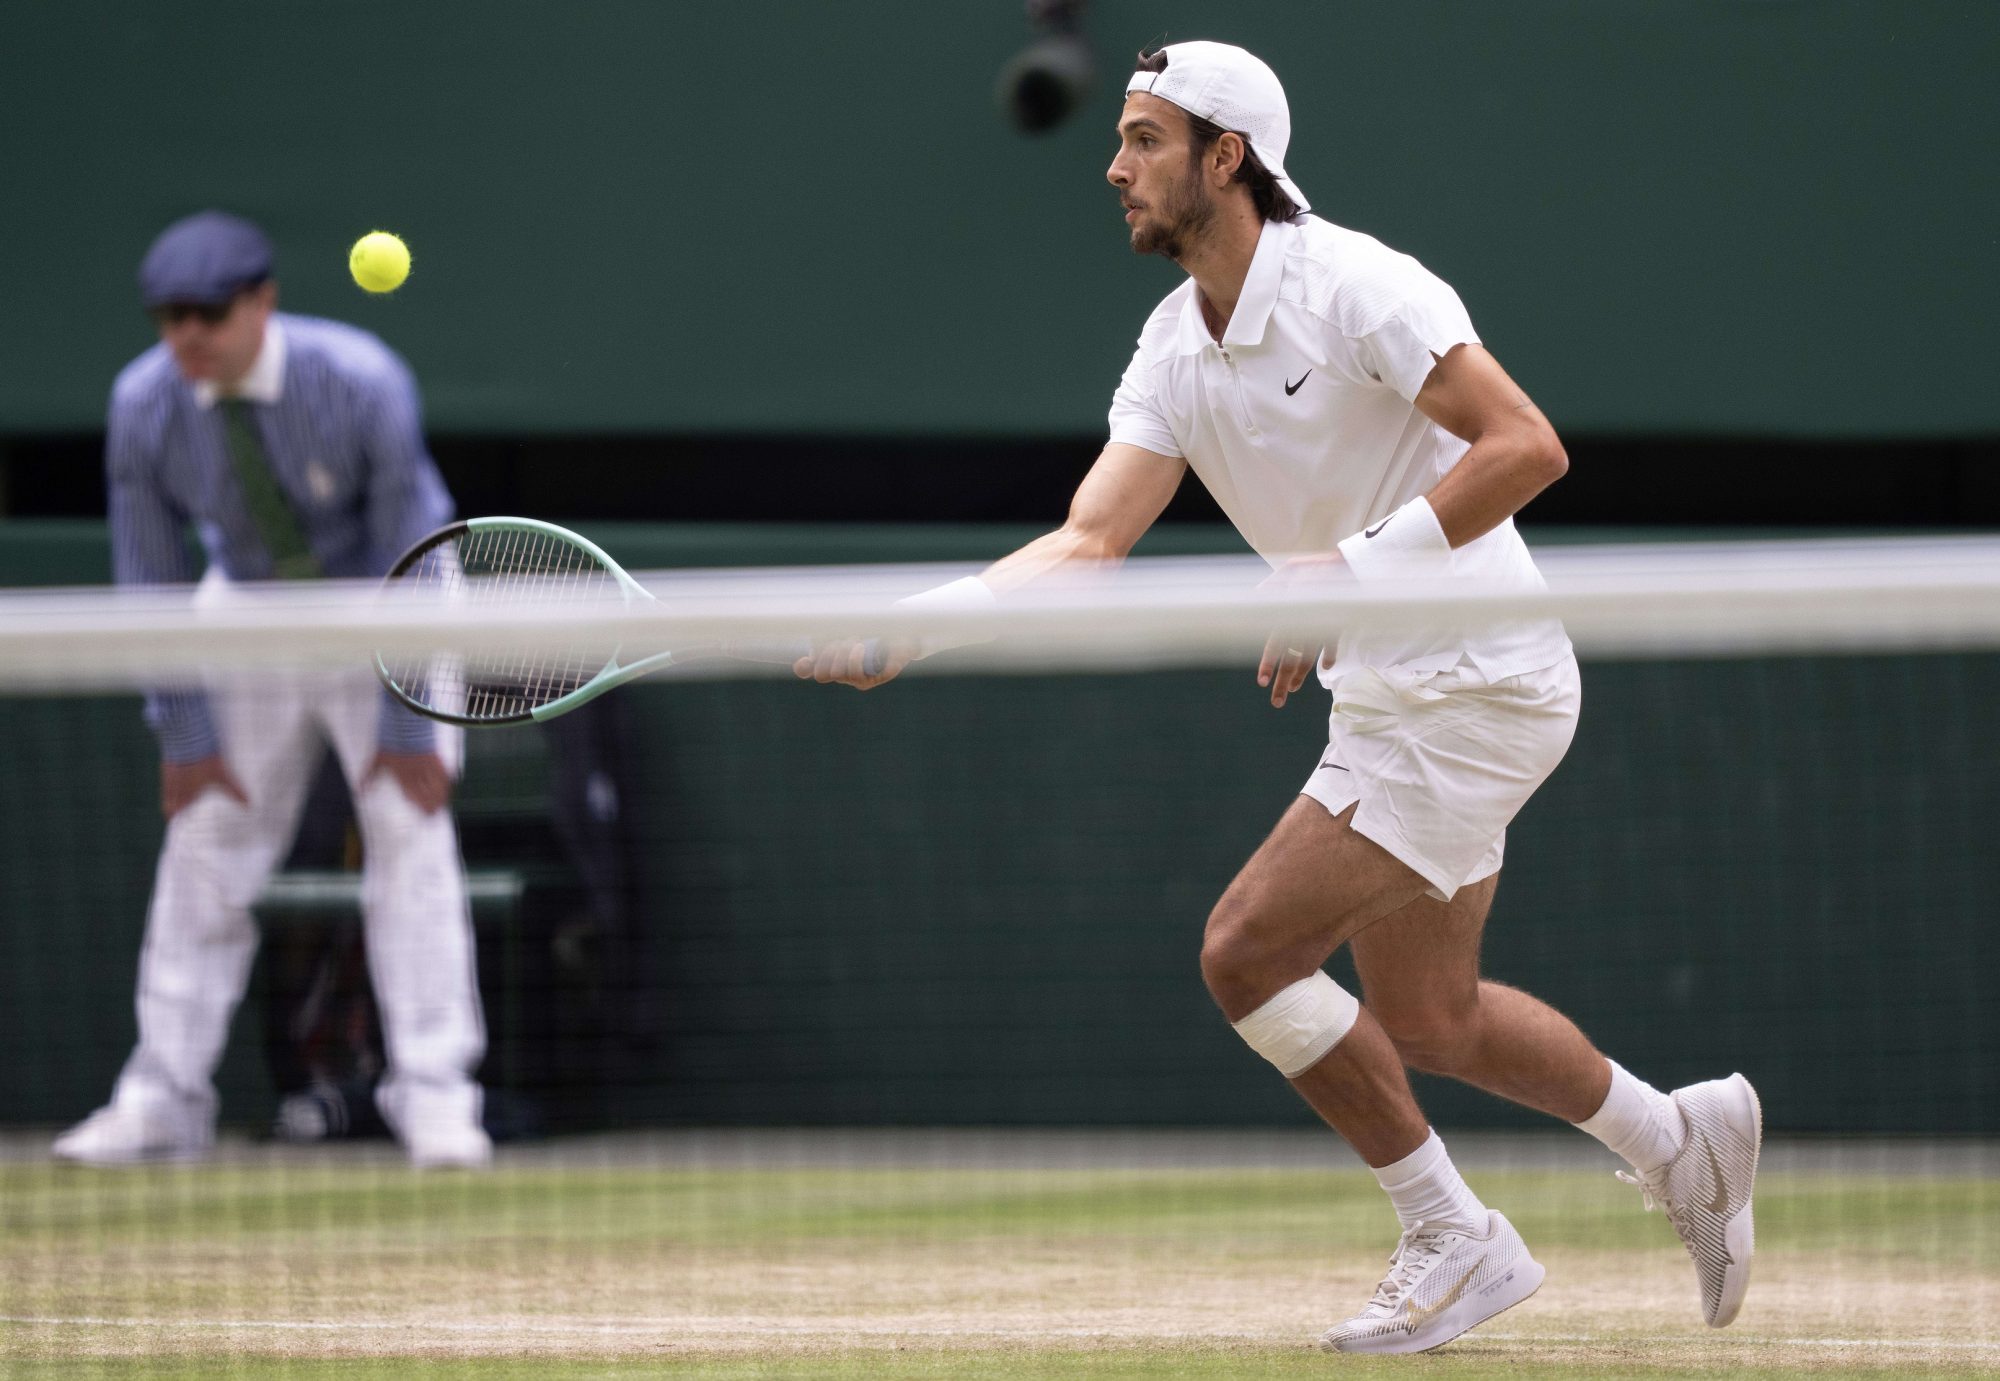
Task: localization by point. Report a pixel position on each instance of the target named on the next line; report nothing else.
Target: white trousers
(200, 937)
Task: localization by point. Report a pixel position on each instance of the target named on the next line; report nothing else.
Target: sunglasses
(208, 313)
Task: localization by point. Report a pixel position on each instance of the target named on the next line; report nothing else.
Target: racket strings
(568, 576)
(533, 565)
(502, 567)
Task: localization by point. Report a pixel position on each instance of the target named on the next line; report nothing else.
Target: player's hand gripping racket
(501, 561)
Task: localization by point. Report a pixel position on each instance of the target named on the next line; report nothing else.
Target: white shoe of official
(1706, 1189)
(449, 1146)
(119, 1134)
(1441, 1281)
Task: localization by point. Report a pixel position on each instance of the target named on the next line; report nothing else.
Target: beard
(1177, 221)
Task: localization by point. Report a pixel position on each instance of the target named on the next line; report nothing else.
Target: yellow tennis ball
(379, 261)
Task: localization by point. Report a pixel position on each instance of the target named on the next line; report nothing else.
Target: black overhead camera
(1048, 79)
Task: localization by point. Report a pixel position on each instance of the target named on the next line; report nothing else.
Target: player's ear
(1225, 156)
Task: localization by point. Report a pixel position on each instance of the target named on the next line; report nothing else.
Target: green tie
(291, 558)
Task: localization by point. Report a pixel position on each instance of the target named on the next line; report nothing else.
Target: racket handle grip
(874, 653)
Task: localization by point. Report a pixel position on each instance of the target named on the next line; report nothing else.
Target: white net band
(1694, 599)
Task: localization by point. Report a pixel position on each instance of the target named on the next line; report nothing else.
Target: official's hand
(1290, 654)
(844, 662)
(181, 782)
(422, 777)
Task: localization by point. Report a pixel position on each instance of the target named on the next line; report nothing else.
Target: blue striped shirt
(345, 440)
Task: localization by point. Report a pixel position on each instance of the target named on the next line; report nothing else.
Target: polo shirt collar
(265, 383)
(1253, 304)
(1193, 336)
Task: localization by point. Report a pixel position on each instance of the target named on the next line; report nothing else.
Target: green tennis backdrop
(640, 216)
(979, 900)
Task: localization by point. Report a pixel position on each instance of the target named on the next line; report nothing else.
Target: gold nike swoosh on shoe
(1720, 1204)
(1421, 1314)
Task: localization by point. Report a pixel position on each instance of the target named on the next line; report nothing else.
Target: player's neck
(1221, 261)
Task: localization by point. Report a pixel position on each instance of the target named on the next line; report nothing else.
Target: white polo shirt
(1303, 425)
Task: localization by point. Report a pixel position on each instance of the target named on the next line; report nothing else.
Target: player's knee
(1233, 959)
(1300, 1024)
(1247, 954)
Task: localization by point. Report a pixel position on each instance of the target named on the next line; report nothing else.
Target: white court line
(1753, 1340)
(636, 1327)
(719, 1325)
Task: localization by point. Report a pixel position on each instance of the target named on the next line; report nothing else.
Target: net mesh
(833, 1031)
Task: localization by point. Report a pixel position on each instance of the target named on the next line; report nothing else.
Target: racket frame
(609, 677)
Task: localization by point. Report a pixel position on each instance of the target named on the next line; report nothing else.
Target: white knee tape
(1296, 1028)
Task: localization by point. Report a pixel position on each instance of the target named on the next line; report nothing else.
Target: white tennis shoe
(1706, 1189)
(121, 1134)
(448, 1146)
(1442, 1280)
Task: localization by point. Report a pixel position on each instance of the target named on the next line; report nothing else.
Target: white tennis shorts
(1437, 763)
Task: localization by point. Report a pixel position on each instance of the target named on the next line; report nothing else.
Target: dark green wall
(1740, 216)
(980, 900)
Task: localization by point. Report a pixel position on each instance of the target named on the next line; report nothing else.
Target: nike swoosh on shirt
(1290, 389)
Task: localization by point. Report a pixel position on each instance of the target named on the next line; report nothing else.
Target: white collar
(1253, 304)
(265, 383)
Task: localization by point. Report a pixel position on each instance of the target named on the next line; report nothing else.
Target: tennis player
(1334, 398)
(293, 449)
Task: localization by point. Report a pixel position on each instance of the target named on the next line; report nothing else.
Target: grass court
(596, 1259)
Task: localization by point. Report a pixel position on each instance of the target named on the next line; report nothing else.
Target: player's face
(219, 343)
(1157, 173)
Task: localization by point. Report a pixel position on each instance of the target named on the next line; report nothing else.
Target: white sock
(1425, 1187)
(1638, 1122)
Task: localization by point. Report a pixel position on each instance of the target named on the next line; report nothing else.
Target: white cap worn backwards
(1223, 84)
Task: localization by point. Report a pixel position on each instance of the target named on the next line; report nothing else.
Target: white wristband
(1409, 542)
(969, 593)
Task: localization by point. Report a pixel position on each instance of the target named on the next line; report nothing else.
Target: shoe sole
(474, 1155)
(1535, 1274)
(135, 1162)
(1515, 1287)
(1740, 1236)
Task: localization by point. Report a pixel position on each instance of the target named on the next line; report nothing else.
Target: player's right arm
(1125, 492)
(1122, 496)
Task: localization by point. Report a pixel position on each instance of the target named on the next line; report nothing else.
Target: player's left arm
(1515, 453)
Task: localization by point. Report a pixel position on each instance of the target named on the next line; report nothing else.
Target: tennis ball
(379, 261)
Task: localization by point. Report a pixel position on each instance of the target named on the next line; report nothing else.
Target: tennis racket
(499, 561)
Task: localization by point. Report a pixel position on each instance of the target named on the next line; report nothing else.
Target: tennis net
(829, 1021)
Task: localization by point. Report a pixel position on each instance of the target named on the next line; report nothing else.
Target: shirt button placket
(1242, 403)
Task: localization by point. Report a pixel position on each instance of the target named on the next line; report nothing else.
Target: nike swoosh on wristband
(1378, 527)
(1290, 389)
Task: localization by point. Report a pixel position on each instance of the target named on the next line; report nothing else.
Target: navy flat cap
(207, 257)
